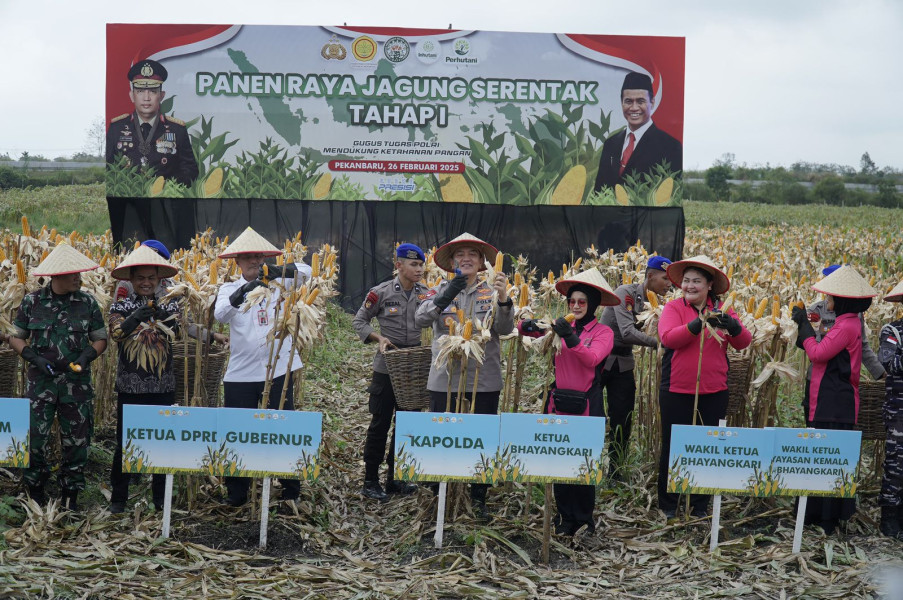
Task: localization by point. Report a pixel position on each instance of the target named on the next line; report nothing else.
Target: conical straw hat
(144, 256)
(64, 260)
(594, 279)
(443, 256)
(845, 282)
(720, 282)
(896, 294)
(250, 242)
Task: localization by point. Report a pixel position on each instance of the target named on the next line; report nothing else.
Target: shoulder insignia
(814, 317)
(372, 298)
(628, 300)
(120, 117)
(175, 120)
(121, 292)
(430, 293)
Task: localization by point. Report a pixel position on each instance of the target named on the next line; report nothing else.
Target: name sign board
(716, 460)
(221, 441)
(446, 447)
(547, 448)
(815, 462)
(15, 424)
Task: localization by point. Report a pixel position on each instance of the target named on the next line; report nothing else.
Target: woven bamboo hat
(250, 242)
(720, 282)
(896, 294)
(443, 256)
(143, 256)
(594, 279)
(845, 282)
(64, 260)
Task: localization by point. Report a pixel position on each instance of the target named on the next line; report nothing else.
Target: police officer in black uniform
(146, 136)
(393, 304)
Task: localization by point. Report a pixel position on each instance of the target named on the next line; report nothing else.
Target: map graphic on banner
(345, 113)
(221, 441)
(15, 427)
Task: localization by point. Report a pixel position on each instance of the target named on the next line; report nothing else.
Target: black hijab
(843, 306)
(593, 300)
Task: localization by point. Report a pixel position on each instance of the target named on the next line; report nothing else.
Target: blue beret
(409, 251)
(658, 262)
(157, 247)
(830, 269)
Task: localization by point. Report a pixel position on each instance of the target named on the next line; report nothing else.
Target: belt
(623, 351)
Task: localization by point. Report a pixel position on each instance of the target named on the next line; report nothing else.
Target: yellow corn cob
(523, 298)
(755, 277)
(518, 280)
(454, 188)
(26, 230)
(570, 317)
(729, 303)
(460, 315)
(577, 263)
(20, 272)
(321, 189)
(280, 260)
(730, 272)
(157, 187)
(552, 278)
(775, 311)
(499, 262)
(191, 280)
(872, 280)
(44, 254)
(312, 296)
(315, 265)
(751, 305)
(653, 298)
(663, 193)
(570, 188)
(760, 310)
(52, 234)
(451, 328)
(621, 196)
(214, 182)
(468, 330)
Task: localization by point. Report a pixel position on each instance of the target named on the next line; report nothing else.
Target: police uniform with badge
(394, 309)
(59, 331)
(153, 141)
(890, 353)
(616, 373)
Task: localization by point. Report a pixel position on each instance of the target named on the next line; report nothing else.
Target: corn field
(335, 544)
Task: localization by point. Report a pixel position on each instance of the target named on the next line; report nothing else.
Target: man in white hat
(59, 330)
(465, 256)
(245, 376)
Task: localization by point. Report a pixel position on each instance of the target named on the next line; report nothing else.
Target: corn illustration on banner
(221, 441)
(15, 423)
(763, 462)
(392, 114)
(551, 448)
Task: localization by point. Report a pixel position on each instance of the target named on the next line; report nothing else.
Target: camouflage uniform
(890, 353)
(59, 328)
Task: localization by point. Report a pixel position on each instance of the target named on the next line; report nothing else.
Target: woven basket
(409, 369)
(871, 407)
(9, 371)
(214, 363)
(738, 378)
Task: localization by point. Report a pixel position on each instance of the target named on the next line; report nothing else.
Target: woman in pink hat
(686, 372)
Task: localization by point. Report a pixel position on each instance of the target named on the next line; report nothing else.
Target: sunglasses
(576, 302)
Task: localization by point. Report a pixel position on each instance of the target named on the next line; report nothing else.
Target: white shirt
(249, 349)
(636, 134)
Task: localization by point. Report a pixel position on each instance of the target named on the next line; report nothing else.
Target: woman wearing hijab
(833, 390)
(680, 327)
(585, 344)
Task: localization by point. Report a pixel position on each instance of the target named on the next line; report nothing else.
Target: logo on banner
(364, 48)
(333, 49)
(396, 49)
(462, 47)
(400, 184)
(462, 51)
(428, 51)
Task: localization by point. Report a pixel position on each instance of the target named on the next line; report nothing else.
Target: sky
(770, 82)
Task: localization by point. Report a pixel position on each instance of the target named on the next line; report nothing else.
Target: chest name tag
(262, 317)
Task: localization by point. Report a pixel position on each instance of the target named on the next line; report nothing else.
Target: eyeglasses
(576, 302)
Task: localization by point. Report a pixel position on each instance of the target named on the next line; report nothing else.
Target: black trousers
(677, 409)
(119, 481)
(246, 394)
(620, 387)
(487, 403)
(382, 413)
(827, 512)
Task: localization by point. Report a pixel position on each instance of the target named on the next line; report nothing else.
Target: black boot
(890, 521)
(373, 490)
(36, 493)
(404, 488)
(70, 500)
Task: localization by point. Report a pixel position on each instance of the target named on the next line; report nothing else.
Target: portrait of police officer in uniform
(146, 136)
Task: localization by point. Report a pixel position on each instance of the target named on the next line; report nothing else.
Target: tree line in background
(801, 183)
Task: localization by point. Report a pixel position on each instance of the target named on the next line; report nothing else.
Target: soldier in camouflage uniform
(615, 374)
(890, 353)
(59, 330)
(393, 304)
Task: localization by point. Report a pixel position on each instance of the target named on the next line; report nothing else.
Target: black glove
(238, 296)
(695, 326)
(531, 326)
(453, 288)
(85, 358)
(280, 271)
(799, 315)
(729, 324)
(805, 331)
(44, 366)
(161, 314)
(138, 316)
(565, 332)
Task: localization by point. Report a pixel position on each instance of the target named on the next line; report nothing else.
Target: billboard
(390, 114)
